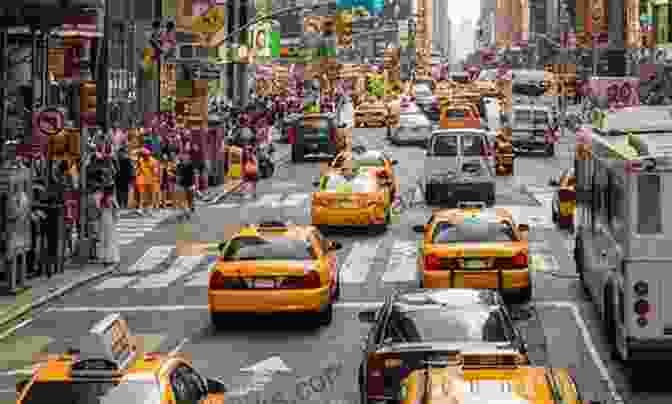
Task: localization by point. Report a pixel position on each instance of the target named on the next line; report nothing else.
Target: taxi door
(327, 257)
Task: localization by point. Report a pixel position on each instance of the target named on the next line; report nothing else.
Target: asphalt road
(168, 302)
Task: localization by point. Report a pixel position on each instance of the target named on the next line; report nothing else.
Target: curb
(51, 296)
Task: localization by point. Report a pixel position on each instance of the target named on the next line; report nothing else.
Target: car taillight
(432, 262)
(291, 135)
(217, 281)
(311, 280)
(519, 261)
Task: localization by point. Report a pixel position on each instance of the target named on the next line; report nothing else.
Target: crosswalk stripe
(269, 199)
(359, 262)
(401, 266)
(180, 267)
(152, 257)
(201, 278)
(115, 283)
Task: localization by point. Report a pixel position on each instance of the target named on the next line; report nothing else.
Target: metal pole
(4, 67)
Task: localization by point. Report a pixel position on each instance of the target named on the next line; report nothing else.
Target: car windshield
(271, 248)
(445, 145)
(341, 184)
(94, 392)
(444, 324)
(530, 116)
(472, 231)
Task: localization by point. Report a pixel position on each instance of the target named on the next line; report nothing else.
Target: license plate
(264, 283)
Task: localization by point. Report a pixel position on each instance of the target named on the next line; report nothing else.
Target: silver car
(414, 128)
(459, 166)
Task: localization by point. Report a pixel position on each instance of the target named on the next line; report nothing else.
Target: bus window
(649, 215)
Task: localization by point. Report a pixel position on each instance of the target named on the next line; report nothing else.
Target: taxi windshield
(447, 325)
(272, 248)
(338, 183)
(472, 232)
(93, 392)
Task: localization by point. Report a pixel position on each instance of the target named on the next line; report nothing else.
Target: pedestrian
(125, 176)
(186, 173)
(168, 181)
(147, 180)
(250, 169)
(103, 171)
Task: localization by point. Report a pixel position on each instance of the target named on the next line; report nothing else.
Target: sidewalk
(15, 309)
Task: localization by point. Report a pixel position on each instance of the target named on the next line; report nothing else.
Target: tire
(550, 150)
(326, 316)
(218, 320)
(525, 294)
(298, 155)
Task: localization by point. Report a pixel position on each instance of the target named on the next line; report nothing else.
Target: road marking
(225, 206)
(295, 200)
(201, 278)
(115, 283)
(179, 346)
(359, 262)
(272, 200)
(153, 257)
(180, 267)
(401, 266)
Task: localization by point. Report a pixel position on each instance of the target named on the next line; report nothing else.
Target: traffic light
(87, 102)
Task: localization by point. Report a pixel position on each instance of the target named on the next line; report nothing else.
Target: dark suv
(312, 140)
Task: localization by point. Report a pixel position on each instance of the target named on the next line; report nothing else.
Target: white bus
(623, 249)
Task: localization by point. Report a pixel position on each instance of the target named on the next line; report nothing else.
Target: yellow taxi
(475, 247)
(459, 117)
(353, 197)
(275, 267)
(110, 367)
(484, 377)
(359, 157)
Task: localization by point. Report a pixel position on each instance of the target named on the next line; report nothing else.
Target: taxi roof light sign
(108, 348)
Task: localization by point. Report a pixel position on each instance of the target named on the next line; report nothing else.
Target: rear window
(272, 248)
(445, 145)
(86, 392)
(456, 114)
(472, 232)
(472, 145)
(529, 116)
(338, 183)
(436, 323)
(649, 215)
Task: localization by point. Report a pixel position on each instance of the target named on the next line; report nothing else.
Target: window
(446, 233)
(445, 146)
(276, 248)
(88, 391)
(649, 215)
(338, 183)
(472, 145)
(435, 323)
(456, 114)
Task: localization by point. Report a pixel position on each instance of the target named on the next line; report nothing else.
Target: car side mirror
(367, 316)
(335, 245)
(215, 386)
(394, 162)
(419, 228)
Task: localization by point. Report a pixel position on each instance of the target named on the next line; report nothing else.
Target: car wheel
(327, 315)
(297, 154)
(217, 320)
(525, 294)
(550, 150)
